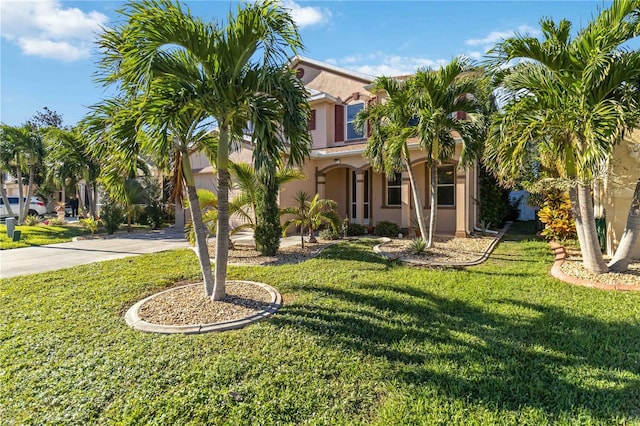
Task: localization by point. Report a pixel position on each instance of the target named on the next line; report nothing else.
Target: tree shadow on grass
(516, 355)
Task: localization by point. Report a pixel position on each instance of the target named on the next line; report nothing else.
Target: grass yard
(358, 341)
(39, 235)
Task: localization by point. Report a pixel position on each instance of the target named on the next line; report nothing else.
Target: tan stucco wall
(619, 187)
(339, 86)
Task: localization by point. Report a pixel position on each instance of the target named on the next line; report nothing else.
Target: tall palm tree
(221, 70)
(69, 161)
(25, 151)
(443, 97)
(424, 107)
(392, 123)
(569, 105)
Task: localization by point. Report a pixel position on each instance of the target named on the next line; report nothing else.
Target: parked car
(36, 207)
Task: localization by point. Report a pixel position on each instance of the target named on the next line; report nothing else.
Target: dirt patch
(248, 255)
(190, 306)
(572, 266)
(444, 250)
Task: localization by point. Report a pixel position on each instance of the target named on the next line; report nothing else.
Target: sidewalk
(31, 260)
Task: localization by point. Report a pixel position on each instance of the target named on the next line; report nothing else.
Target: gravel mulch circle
(188, 305)
(444, 250)
(572, 266)
(248, 255)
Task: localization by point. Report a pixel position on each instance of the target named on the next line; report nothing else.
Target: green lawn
(358, 341)
(39, 235)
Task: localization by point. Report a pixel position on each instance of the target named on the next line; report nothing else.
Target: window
(446, 185)
(312, 120)
(394, 190)
(352, 110)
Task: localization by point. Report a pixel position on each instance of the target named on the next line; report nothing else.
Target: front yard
(358, 341)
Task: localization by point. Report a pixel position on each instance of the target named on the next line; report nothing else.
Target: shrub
(328, 234)
(418, 246)
(111, 215)
(54, 221)
(387, 229)
(154, 215)
(91, 224)
(267, 215)
(31, 220)
(355, 230)
(495, 205)
(555, 214)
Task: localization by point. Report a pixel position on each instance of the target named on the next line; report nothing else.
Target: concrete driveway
(30, 260)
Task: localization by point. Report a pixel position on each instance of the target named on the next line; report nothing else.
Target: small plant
(355, 230)
(345, 227)
(484, 227)
(154, 215)
(32, 220)
(112, 215)
(418, 246)
(328, 234)
(56, 221)
(555, 214)
(387, 229)
(91, 224)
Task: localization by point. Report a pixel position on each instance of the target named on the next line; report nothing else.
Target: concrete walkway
(31, 260)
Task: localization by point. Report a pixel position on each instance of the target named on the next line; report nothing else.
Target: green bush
(355, 230)
(386, 229)
(31, 220)
(55, 221)
(153, 215)
(91, 224)
(328, 234)
(111, 215)
(495, 205)
(418, 246)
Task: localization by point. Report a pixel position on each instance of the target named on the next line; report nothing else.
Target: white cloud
(475, 55)
(379, 63)
(496, 36)
(46, 28)
(306, 16)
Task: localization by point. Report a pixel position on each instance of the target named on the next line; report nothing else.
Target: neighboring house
(338, 170)
(624, 172)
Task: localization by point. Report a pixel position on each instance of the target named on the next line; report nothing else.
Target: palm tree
(68, 162)
(224, 71)
(310, 214)
(569, 106)
(441, 97)
(425, 107)
(24, 153)
(392, 123)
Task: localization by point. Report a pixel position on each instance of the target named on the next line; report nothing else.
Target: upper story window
(345, 129)
(352, 132)
(312, 120)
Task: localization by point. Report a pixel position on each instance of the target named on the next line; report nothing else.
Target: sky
(48, 55)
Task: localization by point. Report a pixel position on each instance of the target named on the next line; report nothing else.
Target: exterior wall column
(462, 208)
(360, 197)
(405, 191)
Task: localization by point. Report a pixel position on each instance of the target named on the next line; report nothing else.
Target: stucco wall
(619, 187)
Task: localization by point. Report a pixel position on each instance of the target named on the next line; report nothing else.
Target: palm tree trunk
(20, 195)
(591, 253)
(302, 236)
(222, 237)
(32, 174)
(3, 193)
(575, 212)
(433, 190)
(201, 239)
(416, 197)
(93, 200)
(622, 256)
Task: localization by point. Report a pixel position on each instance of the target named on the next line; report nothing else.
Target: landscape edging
(134, 321)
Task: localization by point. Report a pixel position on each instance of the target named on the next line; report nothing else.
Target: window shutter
(339, 128)
(312, 120)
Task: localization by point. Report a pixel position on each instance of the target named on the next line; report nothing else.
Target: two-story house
(338, 170)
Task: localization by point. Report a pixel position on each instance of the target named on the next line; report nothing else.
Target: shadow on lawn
(525, 355)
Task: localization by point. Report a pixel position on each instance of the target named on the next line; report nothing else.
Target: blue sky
(48, 56)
